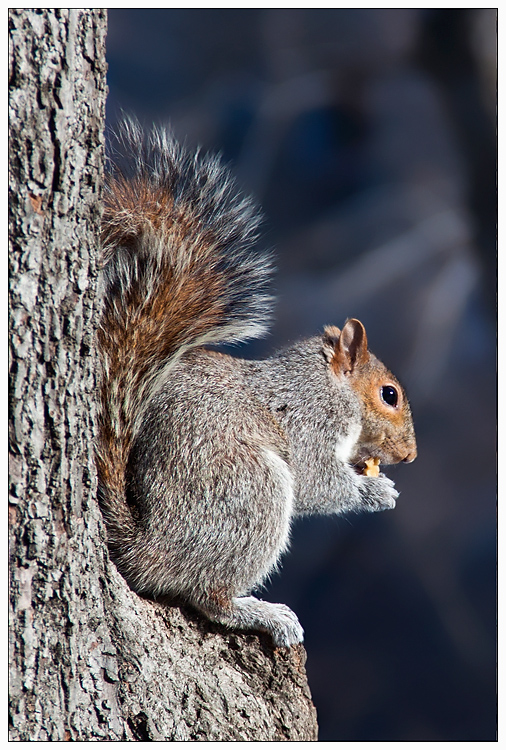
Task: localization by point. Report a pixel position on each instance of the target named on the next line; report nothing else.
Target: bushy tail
(179, 271)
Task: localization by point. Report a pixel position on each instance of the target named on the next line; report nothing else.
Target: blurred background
(368, 137)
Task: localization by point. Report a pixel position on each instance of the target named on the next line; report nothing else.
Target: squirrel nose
(410, 457)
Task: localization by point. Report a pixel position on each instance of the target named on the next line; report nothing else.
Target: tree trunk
(90, 660)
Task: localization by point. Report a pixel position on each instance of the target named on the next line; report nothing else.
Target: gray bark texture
(89, 659)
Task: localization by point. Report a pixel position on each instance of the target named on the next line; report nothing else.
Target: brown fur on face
(387, 430)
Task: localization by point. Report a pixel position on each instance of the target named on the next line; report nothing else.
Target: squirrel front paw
(378, 493)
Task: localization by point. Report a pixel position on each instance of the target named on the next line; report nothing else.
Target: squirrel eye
(389, 395)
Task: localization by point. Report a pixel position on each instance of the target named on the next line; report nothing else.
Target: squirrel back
(179, 271)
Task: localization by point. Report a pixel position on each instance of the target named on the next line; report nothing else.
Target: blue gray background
(368, 138)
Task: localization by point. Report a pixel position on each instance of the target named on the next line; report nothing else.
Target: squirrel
(204, 459)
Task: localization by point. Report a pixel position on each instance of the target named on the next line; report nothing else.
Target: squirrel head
(387, 425)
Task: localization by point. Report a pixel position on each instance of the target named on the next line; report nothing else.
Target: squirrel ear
(330, 342)
(345, 349)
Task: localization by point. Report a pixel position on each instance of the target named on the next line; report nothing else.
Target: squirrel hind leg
(250, 613)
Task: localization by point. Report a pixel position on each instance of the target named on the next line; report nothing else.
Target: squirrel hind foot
(250, 613)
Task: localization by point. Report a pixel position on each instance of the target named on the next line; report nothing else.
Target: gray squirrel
(204, 459)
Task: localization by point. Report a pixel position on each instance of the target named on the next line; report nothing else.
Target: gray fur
(218, 472)
(222, 453)
(321, 415)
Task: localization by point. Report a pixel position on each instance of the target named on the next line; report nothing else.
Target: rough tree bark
(90, 660)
